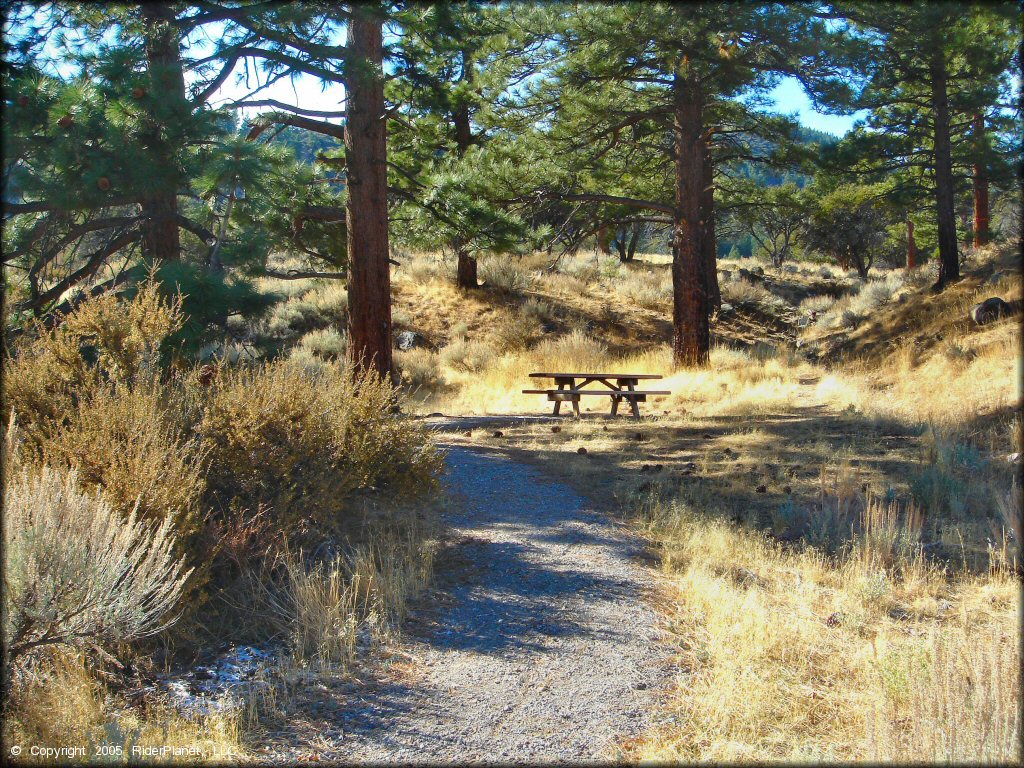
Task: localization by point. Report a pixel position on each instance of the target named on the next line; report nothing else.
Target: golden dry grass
(70, 708)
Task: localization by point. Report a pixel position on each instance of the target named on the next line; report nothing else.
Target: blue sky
(306, 91)
(790, 98)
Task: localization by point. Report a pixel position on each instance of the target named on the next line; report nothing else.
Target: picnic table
(618, 386)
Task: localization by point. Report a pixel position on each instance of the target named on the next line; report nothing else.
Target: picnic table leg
(576, 405)
(563, 384)
(615, 404)
(634, 405)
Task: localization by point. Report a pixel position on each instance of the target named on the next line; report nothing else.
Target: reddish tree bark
(949, 255)
(911, 246)
(708, 243)
(466, 276)
(981, 230)
(160, 238)
(691, 337)
(366, 210)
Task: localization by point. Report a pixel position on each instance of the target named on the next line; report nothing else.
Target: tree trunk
(981, 231)
(911, 246)
(466, 276)
(691, 338)
(708, 243)
(620, 244)
(634, 239)
(366, 210)
(949, 259)
(160, 238)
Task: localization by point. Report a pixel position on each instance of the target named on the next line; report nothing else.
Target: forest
(278, 279)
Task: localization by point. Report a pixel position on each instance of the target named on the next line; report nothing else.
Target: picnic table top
(597, 375)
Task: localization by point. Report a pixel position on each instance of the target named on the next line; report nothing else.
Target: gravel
(537, 643)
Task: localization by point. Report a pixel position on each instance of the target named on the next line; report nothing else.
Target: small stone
(761, 489)
(706, 436)
(581, 451)
(556, 429)
(498, 433)
(605, 427)
(435, 415)
(468, 433)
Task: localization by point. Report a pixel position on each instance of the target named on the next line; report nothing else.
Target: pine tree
(644, 108)
(927, 72)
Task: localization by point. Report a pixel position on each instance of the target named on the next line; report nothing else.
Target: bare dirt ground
(537, 644)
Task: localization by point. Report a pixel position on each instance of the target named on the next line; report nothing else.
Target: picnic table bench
(570, 386)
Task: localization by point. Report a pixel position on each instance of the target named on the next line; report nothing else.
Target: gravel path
(537, 645)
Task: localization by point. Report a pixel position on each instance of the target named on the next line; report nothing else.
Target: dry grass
(790, 655)
(69, 708)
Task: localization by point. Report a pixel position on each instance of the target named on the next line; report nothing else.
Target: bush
(419, 368)
(76, 571)
(505, 276)
(468, 356)
(331, 301)
(89, 397)
(104, 339)
(539, 310)
(298, 441)
(128, 443)
(516, 333)
(326, 343)
(646, 290)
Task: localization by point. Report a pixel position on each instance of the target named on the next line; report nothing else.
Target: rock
(556, 429)
(791, 269)
(706, 436)
(761, 489)
(435, 415)
(726, 308)
(1013, 458)
(497, 433)
(581, 451)
(468, 433)
(989, 310)
(407, 340)
(834, 620)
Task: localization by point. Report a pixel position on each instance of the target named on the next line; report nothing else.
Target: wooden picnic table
(570, 386)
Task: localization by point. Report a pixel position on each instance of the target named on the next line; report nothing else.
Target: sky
(306, 91)
(790, 97)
